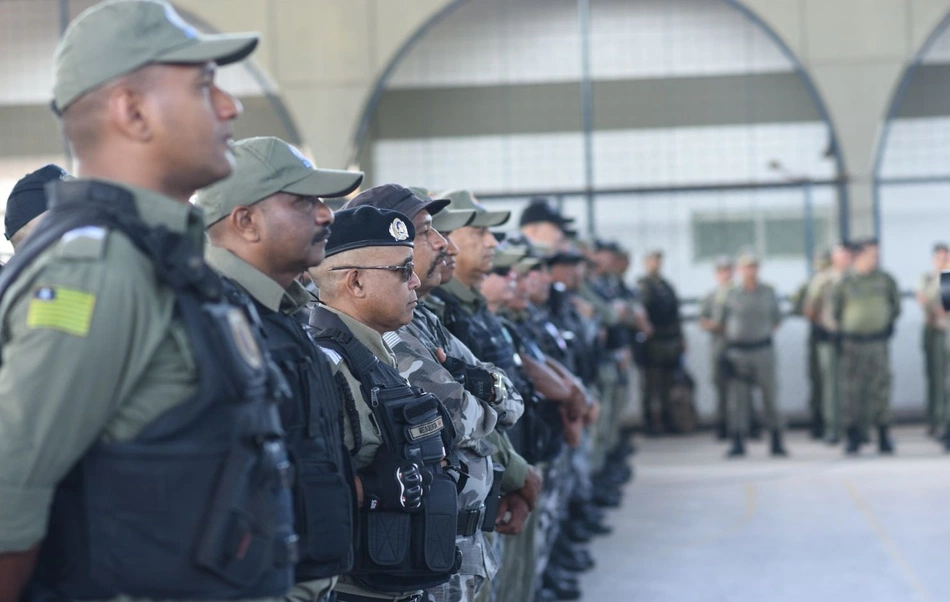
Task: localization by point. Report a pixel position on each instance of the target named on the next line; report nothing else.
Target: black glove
(392, 483)
(477, 381)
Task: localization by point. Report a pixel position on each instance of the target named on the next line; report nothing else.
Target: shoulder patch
(334, 357)
(88, 242)
(60, 308)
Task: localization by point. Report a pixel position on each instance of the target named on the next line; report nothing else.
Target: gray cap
(465, 200)
(446, 220)
(265, 166)
(118, 37)
(747, 258)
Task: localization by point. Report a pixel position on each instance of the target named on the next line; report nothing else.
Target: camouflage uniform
(415, 347)
(866, 307)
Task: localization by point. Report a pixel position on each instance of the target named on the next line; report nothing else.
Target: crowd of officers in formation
(213, 387)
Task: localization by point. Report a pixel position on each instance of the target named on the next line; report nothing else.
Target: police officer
(398, 435)
(725, 272)
(137, 402)
(479, 397)
(464, 312)
(666, 345)
(934, 339)
(27, 203)
(825, 330)
(816, 401)
(544, 225)
(267, 224)
(747, 318)
(866, 304)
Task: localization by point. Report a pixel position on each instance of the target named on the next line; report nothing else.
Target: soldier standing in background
(934, 339)
(748, 318)
(825, 330)
(664, 348)
(816, 386)
(866, 304)
(725, 271)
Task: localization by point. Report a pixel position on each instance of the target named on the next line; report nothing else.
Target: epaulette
(87, 242)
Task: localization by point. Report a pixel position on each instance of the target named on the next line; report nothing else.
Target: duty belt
(866, 338)
(470, 522)
(344, 597)
(750, 346)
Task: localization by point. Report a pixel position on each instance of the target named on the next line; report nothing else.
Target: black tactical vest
(197, 505)
(399, 551)
(484, 335)
(312, 417)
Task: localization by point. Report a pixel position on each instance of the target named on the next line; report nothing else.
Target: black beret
(398, 198)
(367, 226)
(28, 198)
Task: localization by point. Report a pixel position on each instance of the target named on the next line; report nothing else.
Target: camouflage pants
(721, 382)
(478, 566)
(608, 382)
(831, 387)
(865, 384)
(754, 368)
(516, 579)
(459, 588)
(657, 377)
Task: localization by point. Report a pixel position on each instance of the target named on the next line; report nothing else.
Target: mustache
(435, 263)
(321, 236)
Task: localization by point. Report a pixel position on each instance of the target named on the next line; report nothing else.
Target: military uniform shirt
(287, 301)
(867, 304)
(749, 316)
(929, 288)
(818, 298)
(91, 351)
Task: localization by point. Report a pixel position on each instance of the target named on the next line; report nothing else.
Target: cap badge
(398, 230)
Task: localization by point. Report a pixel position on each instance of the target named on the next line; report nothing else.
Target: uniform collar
(156, 209)
(259, 285)
(366, 335)
(469, 297)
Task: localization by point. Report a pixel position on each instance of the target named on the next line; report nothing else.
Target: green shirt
(749, 316)
(819, 298)
(711, 307)
(91, 351)
(866, 304)
(289, 301)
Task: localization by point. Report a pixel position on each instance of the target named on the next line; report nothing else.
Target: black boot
(738, 448)
(777, 449)
(854, 441)
(884, 443)
(755, 430)
(722, 433)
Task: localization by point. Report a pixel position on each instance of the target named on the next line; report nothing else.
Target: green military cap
(465, 200)
(265, 166)
(507, 255)
(447, 220)
(724, 262)
(655, 253)
(118, 37)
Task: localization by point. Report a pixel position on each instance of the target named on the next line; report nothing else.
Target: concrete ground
(695, 527)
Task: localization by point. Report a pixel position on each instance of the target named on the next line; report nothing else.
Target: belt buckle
(412, 598)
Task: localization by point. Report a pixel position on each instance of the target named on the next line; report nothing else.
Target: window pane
(712, 238)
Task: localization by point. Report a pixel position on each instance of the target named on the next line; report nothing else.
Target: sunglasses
(407, 269)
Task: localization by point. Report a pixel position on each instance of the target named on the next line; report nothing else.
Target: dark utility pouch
(493, 501)
(325, 505)
(235, 543)
(439, 524)
(388, 538)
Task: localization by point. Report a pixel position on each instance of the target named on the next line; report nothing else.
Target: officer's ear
(245, 223)
(353, 281)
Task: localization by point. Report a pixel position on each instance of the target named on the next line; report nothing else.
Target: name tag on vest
(424, 430)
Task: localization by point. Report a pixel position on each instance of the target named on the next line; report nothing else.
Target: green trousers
(754, 368)
(935, 361)
(830, 387)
